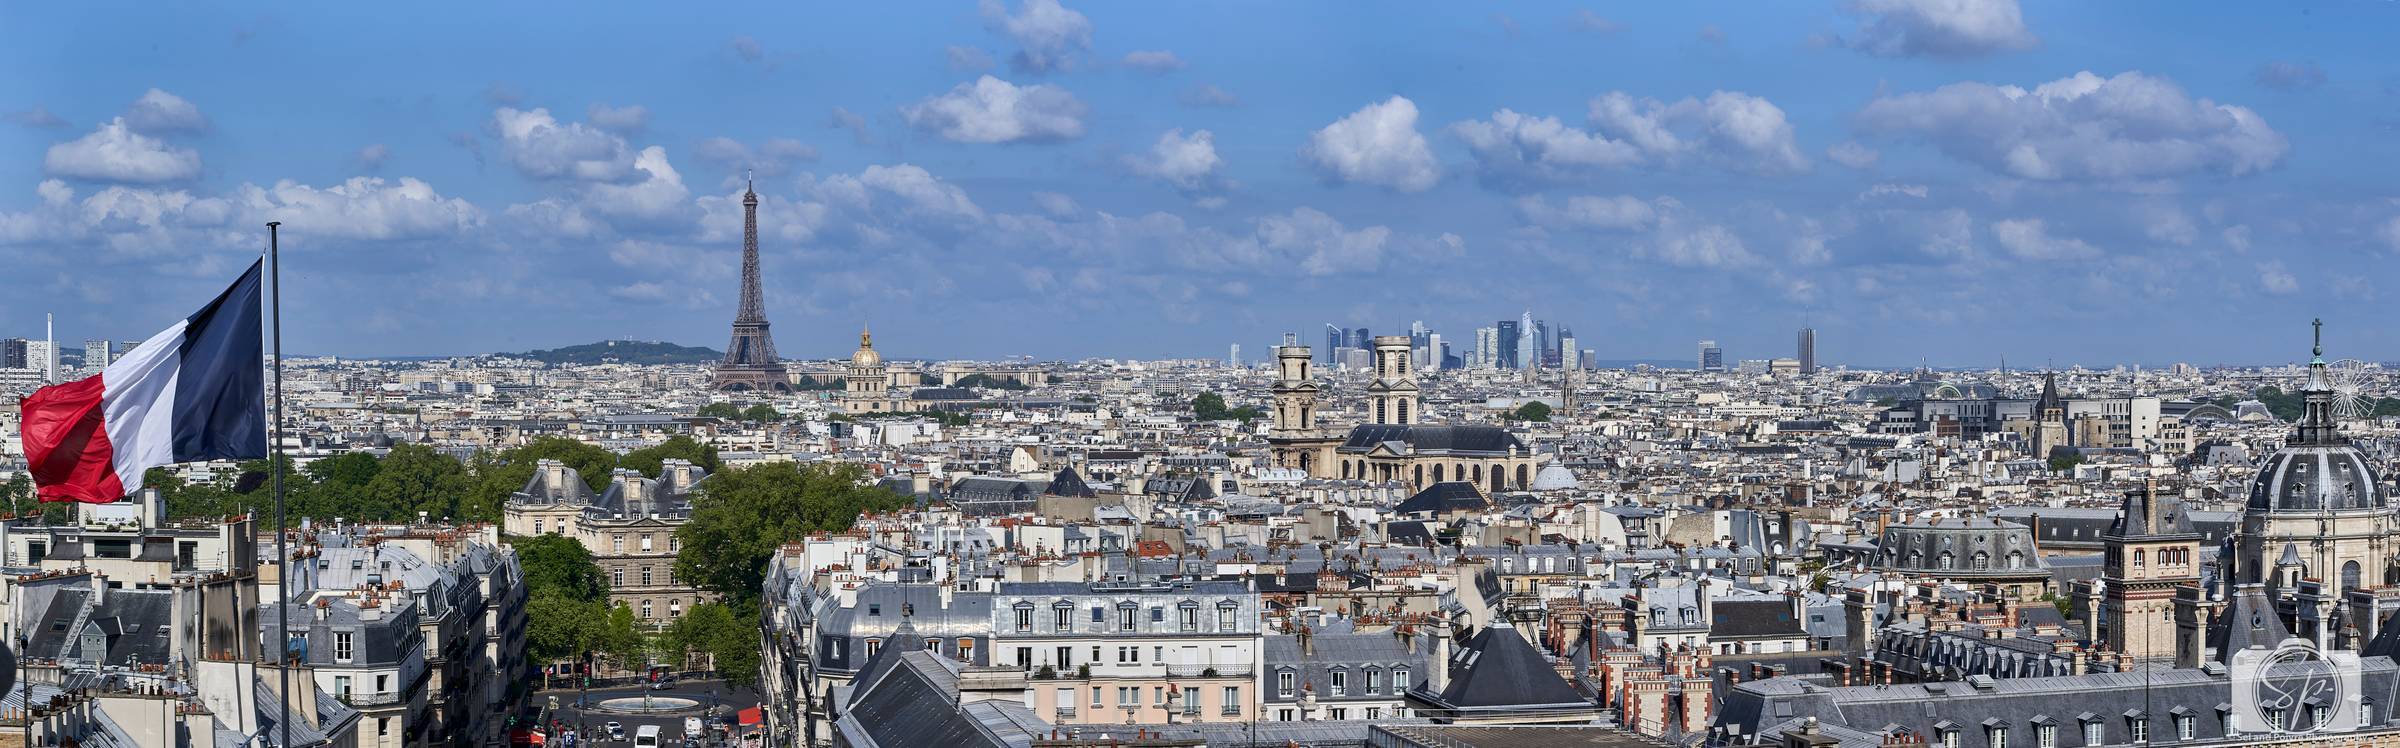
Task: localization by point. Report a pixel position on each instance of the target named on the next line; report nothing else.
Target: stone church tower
(2152, 550)
(1296, 441)
(1392, 397)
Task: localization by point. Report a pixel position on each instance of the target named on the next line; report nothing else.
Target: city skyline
(1154, 192)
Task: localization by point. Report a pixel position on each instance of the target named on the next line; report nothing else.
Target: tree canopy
(1210, 406)
(742, 515)
(730, 638)
(651, 460)
(559, 565)
(1531, 411)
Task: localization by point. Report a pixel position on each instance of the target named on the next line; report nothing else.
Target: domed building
(2317, 510)
(866, 383)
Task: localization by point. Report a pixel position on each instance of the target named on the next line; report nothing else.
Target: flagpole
(283, 557)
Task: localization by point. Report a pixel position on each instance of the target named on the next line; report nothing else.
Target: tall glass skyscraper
(1808, 350)
(1506, 344)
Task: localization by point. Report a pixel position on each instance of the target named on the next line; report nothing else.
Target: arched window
(2137, 558)
(1437, 473)
(1983, 561)
(1524, 476)
(2350, 575)
(1403, 411)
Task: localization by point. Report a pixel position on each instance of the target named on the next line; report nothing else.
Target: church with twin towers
(1400, 442)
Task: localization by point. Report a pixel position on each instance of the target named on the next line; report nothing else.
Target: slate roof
(915, 703)
(1754, 619)
(1447, 496)
(1456, 440)
(1497, 669)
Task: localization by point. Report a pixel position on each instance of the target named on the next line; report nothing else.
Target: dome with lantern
(2318, 470)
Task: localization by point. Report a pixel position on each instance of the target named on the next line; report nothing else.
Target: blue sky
(1951, 181)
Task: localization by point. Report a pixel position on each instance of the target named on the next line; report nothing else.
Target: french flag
(193, 392)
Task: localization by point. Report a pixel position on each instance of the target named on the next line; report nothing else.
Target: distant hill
(623, 351)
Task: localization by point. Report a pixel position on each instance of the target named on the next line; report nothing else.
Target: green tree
(556, 564)
(1531, 411)
(1210, 406)
(717, 629)
(620, 639)
(558, 627)
(495, 476)
(726, 411)
(414, 478)
(742, 515)
(18, 491)
(2060, 463)
(650, 460)
(762, 413)
(351, 469)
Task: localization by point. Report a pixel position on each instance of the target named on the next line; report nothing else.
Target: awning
(752, 716)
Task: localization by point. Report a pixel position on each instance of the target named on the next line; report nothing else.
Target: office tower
(1527, 347)
(1333, 345)
(1234, 358)
(50, 348)
(1712, 358)
(97, 354)
(1486, 347)
(1808, 350)
(1565, 353)
(1448, 361)
(1419, 345)
(40, 357)
(12, 353)
(1542, 342)
(1360, 339)
(1589, 359)
(1434, 350)
(1505, 344)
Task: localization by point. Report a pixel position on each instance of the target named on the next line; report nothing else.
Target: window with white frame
(1339, 682)
(341, 646)
(1127, 617)
(2094, 733)
(1024, 618)
(1283, 683)
(1062, 617)
(2045, 736)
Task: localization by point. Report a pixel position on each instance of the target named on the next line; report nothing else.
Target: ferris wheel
(2348, 377)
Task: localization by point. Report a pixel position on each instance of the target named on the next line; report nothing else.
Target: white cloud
(659, 197)
(361, 208)
(1322, 245)
(1057, 205)
(1209, 95)
(1525, 150)
(1849, 153)
(1888, 190)
(991, 110)
(1705, 246)
(644, 291)
(541, 147)
(921, 195)
(1377, 145)
(1189, 163)
(1729, 129)
(158, 111)
(115, 153)
(2085, 127)
(2276, 280)
(1047, 34)
(2390, 233)
(1612, 213)
(624, 119)
(371, 157)
(2030, 239)
(1949, 29)
(1154, 61)
(2289, 76)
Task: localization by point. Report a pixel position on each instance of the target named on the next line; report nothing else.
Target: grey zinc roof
(1339, 646)
(1497, 668)
(915, 703)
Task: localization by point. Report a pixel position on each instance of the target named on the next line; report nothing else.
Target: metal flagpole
(283, 557)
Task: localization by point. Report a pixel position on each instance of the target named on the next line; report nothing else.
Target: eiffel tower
(750, 362)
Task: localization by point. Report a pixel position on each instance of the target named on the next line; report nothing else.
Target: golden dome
(866, 357)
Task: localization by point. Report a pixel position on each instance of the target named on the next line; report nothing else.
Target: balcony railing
(1231, 710)
(374, 698)
(1208, 671)
(1066, 713)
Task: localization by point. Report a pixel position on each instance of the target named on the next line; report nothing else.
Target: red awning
(752, 716)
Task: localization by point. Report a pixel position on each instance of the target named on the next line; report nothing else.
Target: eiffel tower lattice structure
(750, 361)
